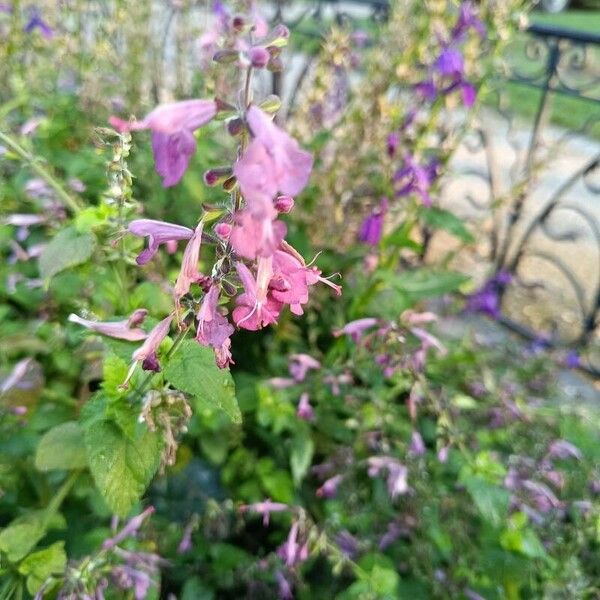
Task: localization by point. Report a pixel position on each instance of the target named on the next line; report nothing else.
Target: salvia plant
(188, 407)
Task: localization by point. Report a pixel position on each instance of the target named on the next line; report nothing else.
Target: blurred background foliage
(496, 482)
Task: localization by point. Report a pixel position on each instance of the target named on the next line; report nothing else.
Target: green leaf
(22, 535)
(61, 448)
(301, 455)
(43, 563)
(491, 500)
(438, 218)
(66, 249)
(122, 468)
(192, 370)
(114, 371)
(424, 283)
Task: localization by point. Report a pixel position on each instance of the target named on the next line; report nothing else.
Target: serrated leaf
(61, 448)
(192, 370)
(114, 373)
(67, 248)
(121, 467)
(491, 500)
(22, 534)
(438, 218)
(39, 565)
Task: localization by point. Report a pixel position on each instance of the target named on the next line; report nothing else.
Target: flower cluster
(254, 263)
(414, 172)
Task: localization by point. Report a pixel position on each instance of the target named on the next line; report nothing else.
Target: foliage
(360, 451)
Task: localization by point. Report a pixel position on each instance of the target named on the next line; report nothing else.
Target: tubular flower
(256, 308)
(213, 328)
(124, 330)
(272, 162)
(146, 353)
(157, 232)
(172, 127)
(189, 273)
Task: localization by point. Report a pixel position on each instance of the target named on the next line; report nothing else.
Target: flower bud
(229, 289)
(223, 230)
(259, 57)
(279, 36)
(275, 65)
(271, 104)
(235, 127)
(225, 56)
(238, 23)
(284, 204)
(213, 177)
(229, 184)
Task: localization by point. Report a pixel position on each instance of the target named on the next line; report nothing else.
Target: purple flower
(347, 543)
(572, 360)
(131, 528)
(329, 488)
(36, 22)
(213, 328)
(417, 446)
(284, 588)
(427, 90)
(397, 474)
(414, 178)
(157, 232)
(305, 410)
(188, 273)
(301, 364)
(371, 229)
(393, 141)
(450, 63)
(467, 19)
(355, 329)
(487, 299)
(172, 127)
(563, 450)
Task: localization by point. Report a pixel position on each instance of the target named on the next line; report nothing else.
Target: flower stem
(69, 201)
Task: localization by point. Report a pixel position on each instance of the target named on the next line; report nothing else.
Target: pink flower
(355, 329)
(300, 364)
(173, 141)
(397, 474)
(130, 529)
(265, 509)
(256, 308)
(272, 162)
(158, 232)
(291, 552)
(213, 328)
(305, 410)
(123, 330)
(189, 273)
(146, 353)
(256, 232)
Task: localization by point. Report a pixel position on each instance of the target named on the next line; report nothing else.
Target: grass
(566, 111)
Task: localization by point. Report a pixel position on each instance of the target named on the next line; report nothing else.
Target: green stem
(69, 201)
(176, 343)
(58, 498)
